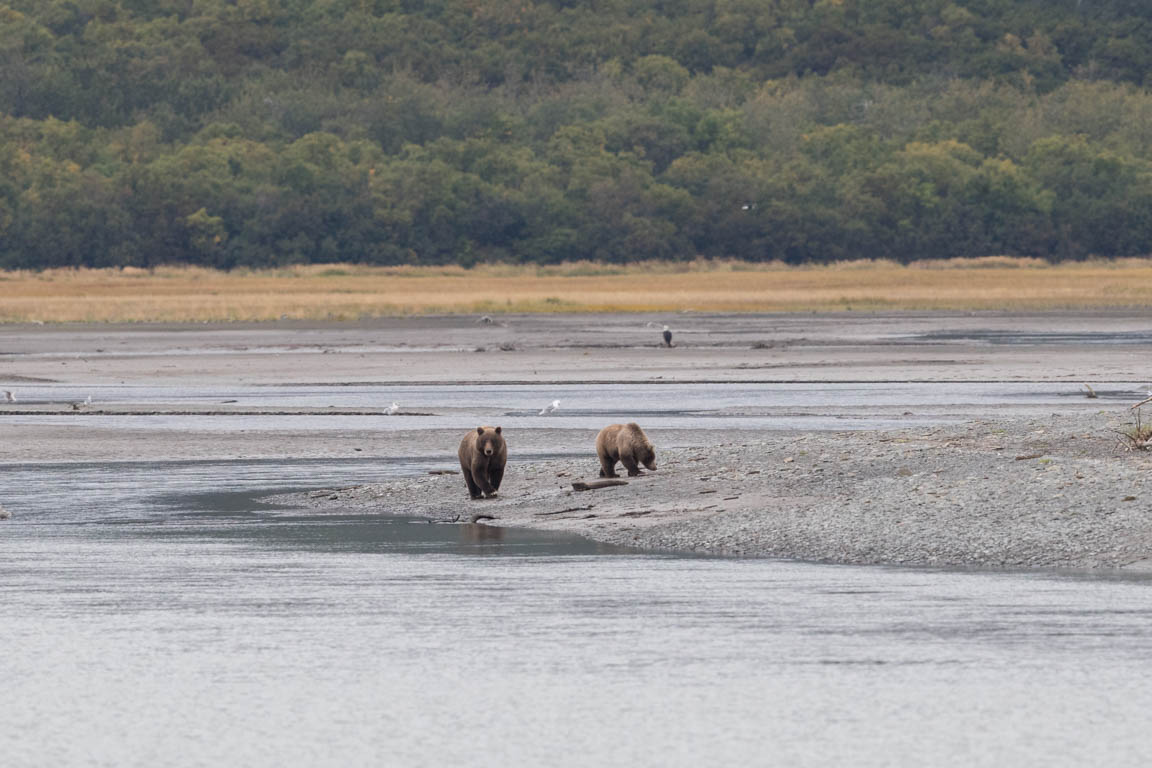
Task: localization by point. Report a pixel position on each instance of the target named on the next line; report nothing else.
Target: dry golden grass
(348, 292)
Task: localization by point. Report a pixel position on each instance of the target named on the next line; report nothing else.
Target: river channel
(155, 614)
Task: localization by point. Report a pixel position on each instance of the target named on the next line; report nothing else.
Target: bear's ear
(497, 430)
(479, 430)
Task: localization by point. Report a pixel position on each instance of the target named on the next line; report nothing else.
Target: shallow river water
(147, 622)
(672, 406)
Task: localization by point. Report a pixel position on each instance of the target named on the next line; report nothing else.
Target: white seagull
(549, 408)
(88, 400)
(392, 409)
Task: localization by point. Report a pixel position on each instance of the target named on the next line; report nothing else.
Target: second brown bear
(627, 444)
(483, 455)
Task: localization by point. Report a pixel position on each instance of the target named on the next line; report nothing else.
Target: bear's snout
(487, 450)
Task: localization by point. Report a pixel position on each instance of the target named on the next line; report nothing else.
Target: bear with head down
(627, 444)
(483, 455)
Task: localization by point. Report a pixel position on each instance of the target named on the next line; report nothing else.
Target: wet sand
(941, 484)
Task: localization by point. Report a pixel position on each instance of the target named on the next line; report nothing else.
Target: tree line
(269, 132)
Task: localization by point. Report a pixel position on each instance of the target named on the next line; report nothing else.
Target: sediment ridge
(1059, 491)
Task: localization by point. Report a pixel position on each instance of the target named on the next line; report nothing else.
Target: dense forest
(270, 132)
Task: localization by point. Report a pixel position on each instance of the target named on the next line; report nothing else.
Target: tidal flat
(902, 438)
(232, 555)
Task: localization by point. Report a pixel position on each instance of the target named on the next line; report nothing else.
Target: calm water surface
(145, 621)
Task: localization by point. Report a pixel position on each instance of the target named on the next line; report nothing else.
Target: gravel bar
(1054, 492)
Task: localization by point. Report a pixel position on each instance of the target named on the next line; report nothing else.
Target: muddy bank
(1050, 492)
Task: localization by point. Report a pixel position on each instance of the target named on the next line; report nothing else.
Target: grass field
(347, 292)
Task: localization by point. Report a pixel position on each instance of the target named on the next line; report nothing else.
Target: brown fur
(627, 444)
(483, 455)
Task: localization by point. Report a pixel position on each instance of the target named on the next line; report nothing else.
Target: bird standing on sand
(549, 408)
(4, 514)
(88, 400)
(392, 409)
(667, 337)
(9, 397)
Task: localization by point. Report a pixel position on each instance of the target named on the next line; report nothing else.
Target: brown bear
(627, 444)
(483, 455)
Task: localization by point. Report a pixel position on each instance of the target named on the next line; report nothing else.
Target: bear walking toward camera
(483, 455)
(627, 444)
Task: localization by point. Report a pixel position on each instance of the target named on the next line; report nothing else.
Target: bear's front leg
(630, 465)
(473, 488)
(480, 475)
(495, 476)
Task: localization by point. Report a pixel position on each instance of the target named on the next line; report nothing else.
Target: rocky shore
(1058, 491)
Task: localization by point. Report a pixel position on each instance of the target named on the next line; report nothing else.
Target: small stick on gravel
(480, 516)
(1145, 401)
(1029, 456)
(582, 486)
(562, 511)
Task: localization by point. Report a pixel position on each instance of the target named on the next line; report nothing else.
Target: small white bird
(392, 409)
(549, 408)
(9, 397)
(88, 400)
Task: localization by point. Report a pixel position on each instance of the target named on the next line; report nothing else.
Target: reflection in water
(478, 533)
(181, 629)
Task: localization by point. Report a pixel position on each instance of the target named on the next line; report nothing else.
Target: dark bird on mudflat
(667, 337)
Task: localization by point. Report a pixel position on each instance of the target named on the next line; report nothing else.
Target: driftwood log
(581, 486)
